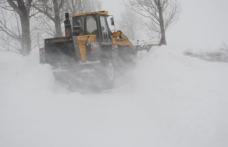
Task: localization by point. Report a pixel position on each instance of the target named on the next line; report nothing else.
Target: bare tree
(22, 9)
(52, 9)
(83, 5)
(10, 29)
(92, 5)
(5, 28)
(72, 5)
(161, 14)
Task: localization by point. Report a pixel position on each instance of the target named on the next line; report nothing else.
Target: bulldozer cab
(92, 24)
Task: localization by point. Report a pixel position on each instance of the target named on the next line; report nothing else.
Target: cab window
(104, 28)
(91, 25)
(78, 22)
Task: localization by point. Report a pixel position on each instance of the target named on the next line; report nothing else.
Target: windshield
(104, 28)
(91, 25)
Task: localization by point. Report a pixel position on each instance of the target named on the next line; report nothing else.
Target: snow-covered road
(169, 100)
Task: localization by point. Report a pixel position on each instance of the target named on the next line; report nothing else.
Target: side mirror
(112, 21)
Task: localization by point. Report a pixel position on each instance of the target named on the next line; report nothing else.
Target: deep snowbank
(169, 100)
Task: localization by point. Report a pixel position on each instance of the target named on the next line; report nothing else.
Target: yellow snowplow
(89, 50)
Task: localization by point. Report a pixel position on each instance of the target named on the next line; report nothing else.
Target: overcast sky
(114, 6)
(202, 23)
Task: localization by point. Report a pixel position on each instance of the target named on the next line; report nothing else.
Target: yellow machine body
(82, 42)
(121, 40)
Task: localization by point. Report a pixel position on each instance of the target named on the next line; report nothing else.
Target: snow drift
(169, 100)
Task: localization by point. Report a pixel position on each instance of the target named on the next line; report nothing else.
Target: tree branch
(15, 6)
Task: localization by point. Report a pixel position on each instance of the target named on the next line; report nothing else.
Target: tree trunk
(162, 26)
(58, 29)
(22, 8)
(25, 34)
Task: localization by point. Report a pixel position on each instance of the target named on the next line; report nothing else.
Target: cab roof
(102, 13)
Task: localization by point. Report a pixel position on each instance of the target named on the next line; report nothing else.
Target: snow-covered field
(169, 100)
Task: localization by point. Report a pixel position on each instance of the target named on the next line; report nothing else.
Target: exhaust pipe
(67, 24)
